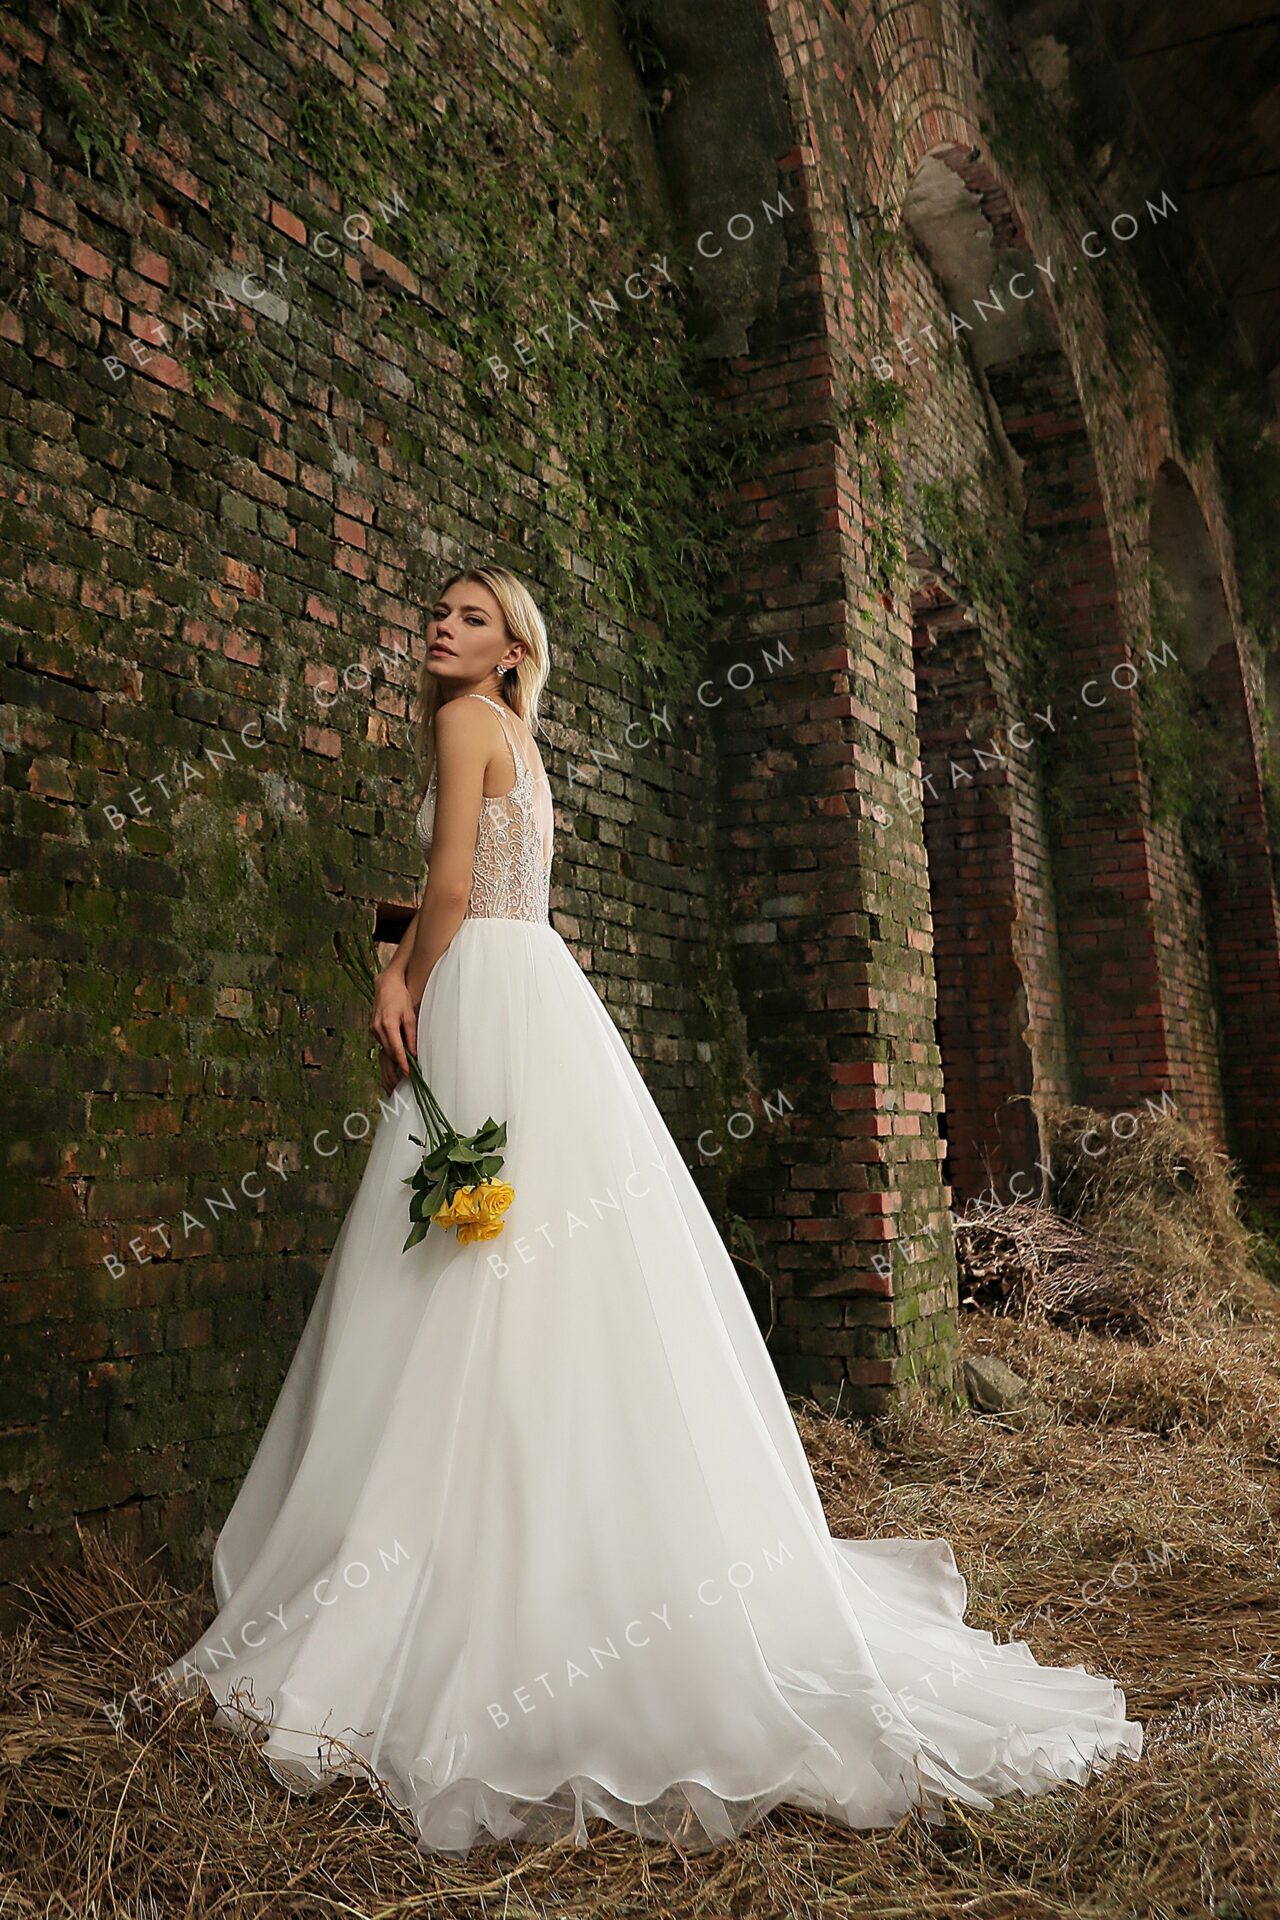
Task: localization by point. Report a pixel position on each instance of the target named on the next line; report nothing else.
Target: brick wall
(211, 614)
(1080, 914)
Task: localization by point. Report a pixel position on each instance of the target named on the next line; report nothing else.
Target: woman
(530, 1536)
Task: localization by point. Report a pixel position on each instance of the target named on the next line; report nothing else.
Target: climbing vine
(647, 57)
(1000, 562)
(523, 247)
(997, 558)
(170, 53)
(873, 414)
(540, 278)
(1023, 128)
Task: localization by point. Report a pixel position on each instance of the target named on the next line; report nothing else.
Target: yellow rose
(475, 1211)
(492, 1198)
(463, 1206)
(486, 1229)
(495, 1196)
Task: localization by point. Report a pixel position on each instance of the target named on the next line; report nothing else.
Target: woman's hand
(394, 1025)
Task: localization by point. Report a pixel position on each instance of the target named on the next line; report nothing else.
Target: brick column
(1102, 869)
(830, 905)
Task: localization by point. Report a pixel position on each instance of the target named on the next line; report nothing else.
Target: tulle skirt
(530, 1536)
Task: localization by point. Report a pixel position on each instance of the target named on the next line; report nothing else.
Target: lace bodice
(511, 873)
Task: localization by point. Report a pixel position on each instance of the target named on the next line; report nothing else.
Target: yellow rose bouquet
(454, 1184)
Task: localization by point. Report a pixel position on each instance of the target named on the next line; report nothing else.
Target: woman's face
(467, 637)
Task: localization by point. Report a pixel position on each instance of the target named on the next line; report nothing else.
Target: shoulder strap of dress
(498, 709)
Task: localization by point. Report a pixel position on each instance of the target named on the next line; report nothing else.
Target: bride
(530, 1537)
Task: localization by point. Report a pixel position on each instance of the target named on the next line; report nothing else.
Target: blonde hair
(521, 685)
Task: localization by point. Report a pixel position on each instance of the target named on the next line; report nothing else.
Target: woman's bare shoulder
(462, 711)
(464, 720)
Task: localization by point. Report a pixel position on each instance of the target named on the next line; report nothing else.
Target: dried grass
(1144, 1233)
(1127, 1519)
(1126, 1516)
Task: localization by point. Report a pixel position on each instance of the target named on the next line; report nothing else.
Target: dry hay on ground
(1027, 1259)
(1143, 1234)
(1165, 1198)
(1125, 1519)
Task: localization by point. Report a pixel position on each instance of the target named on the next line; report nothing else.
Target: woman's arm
(464, 747)
(394, 1020)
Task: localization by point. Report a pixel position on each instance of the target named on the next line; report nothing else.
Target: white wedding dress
(530, 1536)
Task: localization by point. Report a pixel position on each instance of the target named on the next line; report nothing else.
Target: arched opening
(825, 948)
(1210, 810)
(988, 1069)
(1181, 547)
(1051, 868)
(963, 224)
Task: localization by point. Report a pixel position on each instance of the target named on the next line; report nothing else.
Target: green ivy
(884, 246)
(1022, 126)
(647, 57)
(508, 225)
(873, 414)
(122, 63)
(39, 292)
(508, 230)
(997, 559)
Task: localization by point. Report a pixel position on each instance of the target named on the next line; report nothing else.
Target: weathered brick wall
(212, 608)
(984, 739)
(1091, 916)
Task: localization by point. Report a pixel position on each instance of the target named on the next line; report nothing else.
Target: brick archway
(829, 916)
(966, 225)
(969, 811)
(1240, 911)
